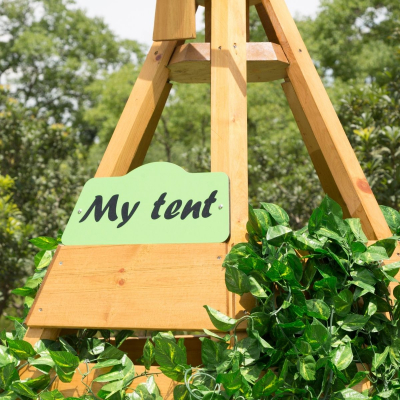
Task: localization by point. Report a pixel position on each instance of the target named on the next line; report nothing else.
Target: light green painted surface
(145, 185)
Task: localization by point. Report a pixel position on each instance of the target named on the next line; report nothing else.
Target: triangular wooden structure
(164, 287)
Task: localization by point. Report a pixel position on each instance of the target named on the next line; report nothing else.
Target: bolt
(300, 50)
(234, 45)
(79, 211)
(221, 206)
(40, 309)
(156, 53)
(219, 258)
(61, 263)
(219, 47)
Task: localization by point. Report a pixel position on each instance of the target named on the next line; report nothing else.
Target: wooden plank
(175, 20)
(266, 23)
(325, 124)
(324, 174)
(229, 113)
(191, 63)
(78, 386)
(126, 148)
(132, 287)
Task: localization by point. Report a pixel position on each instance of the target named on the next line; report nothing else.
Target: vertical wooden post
(325, 125)
(207, 20)
(229, 111)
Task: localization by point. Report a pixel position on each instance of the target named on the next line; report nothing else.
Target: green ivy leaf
(342, 357)
(306, 366)
(219, 320)
(236, 281)
(23, 390)
(350, 394)
(353, 322)
(318, 309)
(232, 382)
(380, 358)
(45, 243)
(279, 215)
(266, 386)
(21, 349)
(392, 218)
(8, 375)
(343, 302)
(279, 234)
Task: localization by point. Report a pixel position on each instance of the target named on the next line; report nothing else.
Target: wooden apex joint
(191, 63)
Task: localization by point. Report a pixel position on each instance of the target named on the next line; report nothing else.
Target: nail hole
(300, 50)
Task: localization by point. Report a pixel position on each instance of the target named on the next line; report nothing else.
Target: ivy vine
(324, 321)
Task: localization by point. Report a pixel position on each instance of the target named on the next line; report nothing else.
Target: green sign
(156, 203)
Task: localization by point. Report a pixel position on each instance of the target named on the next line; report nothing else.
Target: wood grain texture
(175, 20)
(229, 113)
(325, 124)
(191, 63)
(132, 287)
(324, 174)
(33, 335)
(136, 126)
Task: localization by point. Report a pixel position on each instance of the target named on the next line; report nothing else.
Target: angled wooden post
(325, 125)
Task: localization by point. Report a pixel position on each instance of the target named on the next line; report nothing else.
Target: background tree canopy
(66, 78)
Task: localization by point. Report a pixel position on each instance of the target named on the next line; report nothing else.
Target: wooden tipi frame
(108, 286)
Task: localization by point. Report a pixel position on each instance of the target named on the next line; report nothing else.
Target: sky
(134, 19)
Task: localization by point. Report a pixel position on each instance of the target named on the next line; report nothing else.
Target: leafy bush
(323, 321)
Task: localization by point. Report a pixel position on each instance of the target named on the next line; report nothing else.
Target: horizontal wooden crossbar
(191, 63)
(251, 2)
(133, 287)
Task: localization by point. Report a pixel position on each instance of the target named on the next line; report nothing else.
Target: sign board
(156, 203)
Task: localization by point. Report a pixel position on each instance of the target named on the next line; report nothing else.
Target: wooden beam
(203, 2)
(324, 174)
(132, 287)
(175, 20)
(266, 23)
(191, 63)
(126, 148)
(326, 127)
(207, 20)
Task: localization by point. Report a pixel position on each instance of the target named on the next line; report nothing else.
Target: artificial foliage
(323, 322)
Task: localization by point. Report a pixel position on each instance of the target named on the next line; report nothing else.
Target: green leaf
(148, 354)
(318, 309)
(266, 386)
(260, 221)
(343, 302)
(219, 320)
(107, 363)
(53, 395)
(279, 215)
(306, 367)
(8, 374)
(279, 234)
(256, 289)
(167, 353)
(379, 358)
(317, 335)
(251, 373)
(23, 390)
(236, 281)
(358, 377)
(350, 394)
(65, 364)
(45, 243)
(181, 392)
(232, 382)
(342, 357)
(122, 336)
(392, 218)
(353, 322)
(212, 353)
(39, 383)
(43, 259)
(356, 229)
(21, 349)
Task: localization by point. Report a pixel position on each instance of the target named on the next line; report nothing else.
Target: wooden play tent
(105, 286)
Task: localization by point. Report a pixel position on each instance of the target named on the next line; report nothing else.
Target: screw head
(219, 258)
(40, 309)
(79, 211)
(60, 263)
(221, 206)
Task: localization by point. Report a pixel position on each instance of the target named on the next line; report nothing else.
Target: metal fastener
(219, 258)
(61, 263)
(40, 309)
(221, 206)
(300, 50)
(234, 45)
(219, 47)
(79, 211)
